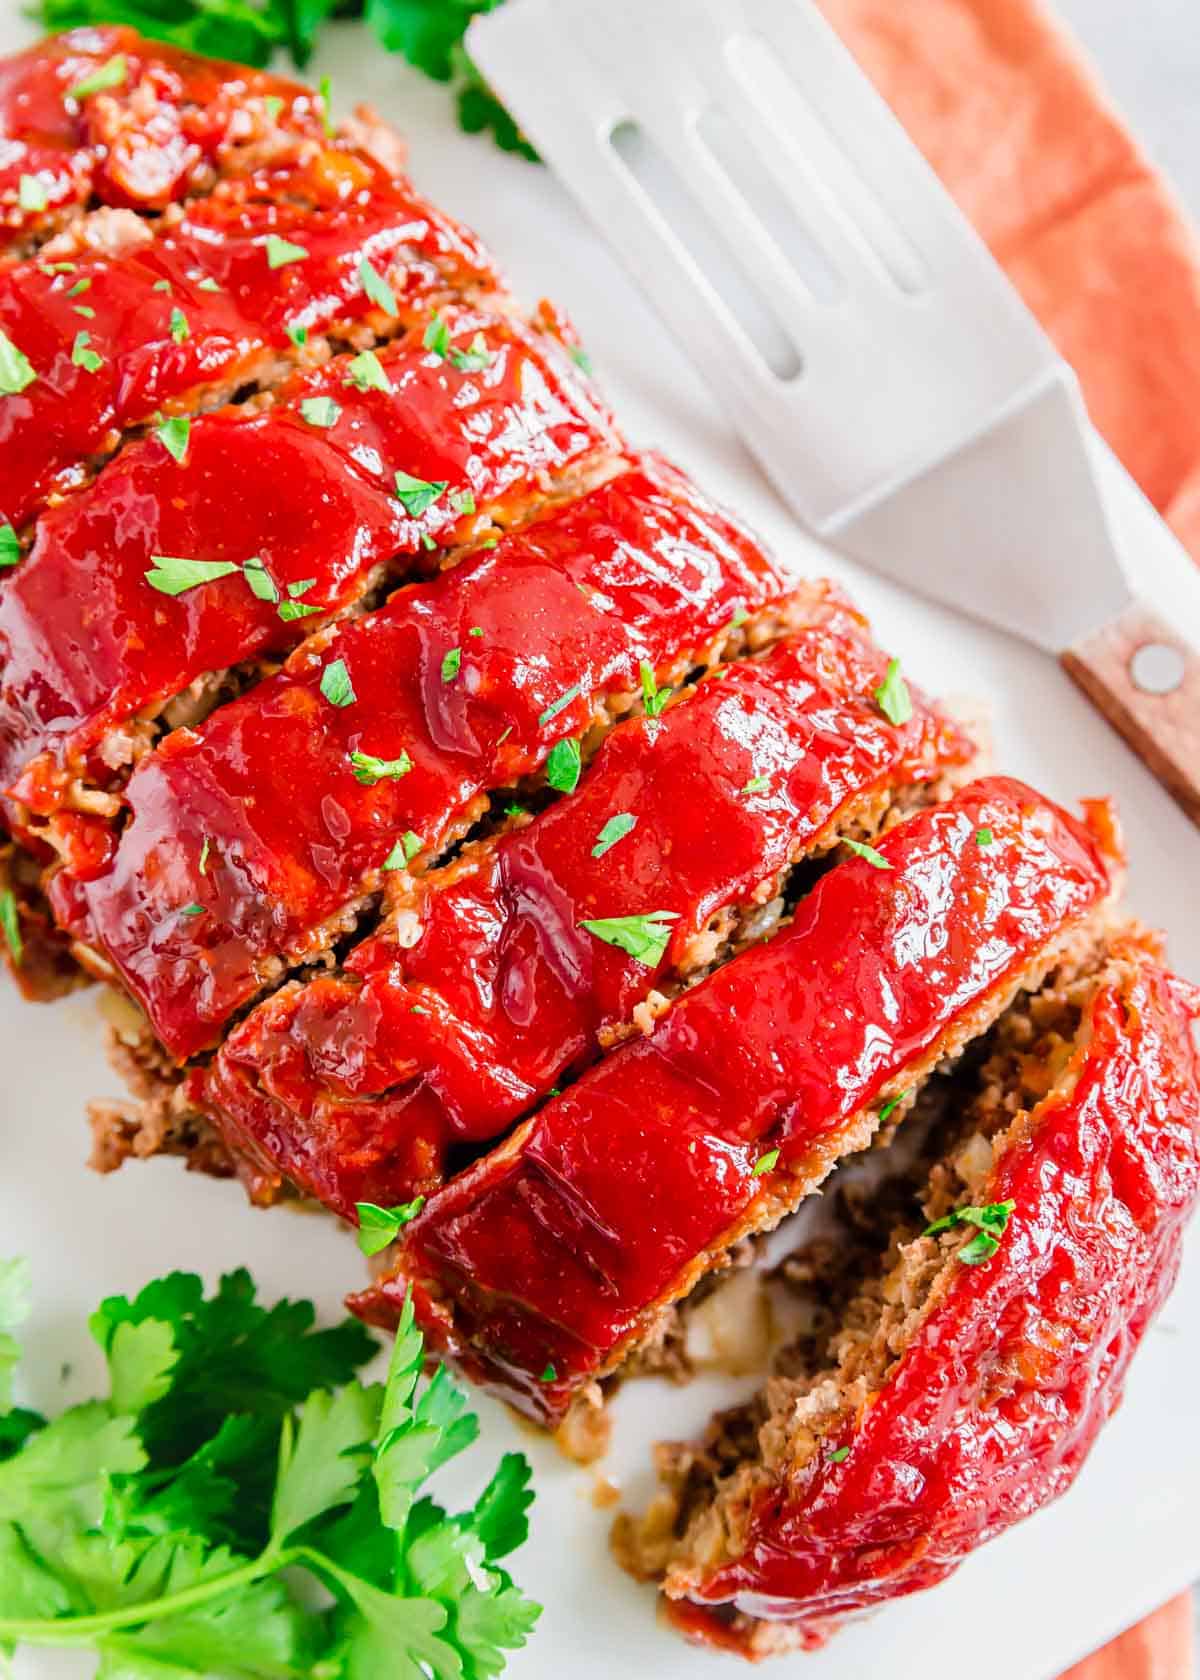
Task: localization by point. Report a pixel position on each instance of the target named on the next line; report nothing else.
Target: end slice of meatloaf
(300, 797)
(273, 520)
(972, 1366)
(541, 1267)
(484, 987)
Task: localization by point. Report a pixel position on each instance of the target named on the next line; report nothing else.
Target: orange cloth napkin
(1000, 101)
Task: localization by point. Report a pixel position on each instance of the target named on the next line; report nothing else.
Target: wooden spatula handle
(1119, 667)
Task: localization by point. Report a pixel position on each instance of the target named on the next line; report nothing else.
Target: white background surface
(1127, 1535)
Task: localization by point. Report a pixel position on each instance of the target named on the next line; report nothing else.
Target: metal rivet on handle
(1157, 668)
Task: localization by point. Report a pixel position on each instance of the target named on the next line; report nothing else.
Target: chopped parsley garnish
(436, 337)
(173, 435)
(240, 1502)
(366, 374)
(162, 286)
(292, 608)
(274, 105)
(581, 358)
(475, 358)
(891, 1105)
(326, 90)
(740, 615)
(15, 370)
(82, 309)
(297, 333)
(368, 769)
(336, 685)
(757, 784)
(379, 1226)
(404, 851)
(475, 630)
(376, 287)
(616, 828)
(320, 411)
(984, 837)
(874, 858)
(208, 284)
(839, 1455)
(653, 697)
(462, 501)
(515, 810)
(281, 252)
(561, 704)
(111, 74)
(32, 194)
(451, 664)
(178, 326)
(10, 547)
(991, 1222)
(417, 494)
(644, 938)
(262, 584)
(765, 1163)
(549, 1374)
(892, 696)
(82, 356)
(172, 575)
(563, 766)
(79, 287)
(10, 926)
(192, 909)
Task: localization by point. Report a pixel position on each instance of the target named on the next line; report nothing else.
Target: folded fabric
(1001, 102)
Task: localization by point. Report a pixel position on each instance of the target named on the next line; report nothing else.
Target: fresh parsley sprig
(237, 1453)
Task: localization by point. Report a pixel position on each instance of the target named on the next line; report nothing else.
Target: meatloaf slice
(542, 1266)
(976, 1358)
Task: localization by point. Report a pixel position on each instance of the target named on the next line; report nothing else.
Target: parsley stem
(82, 1630)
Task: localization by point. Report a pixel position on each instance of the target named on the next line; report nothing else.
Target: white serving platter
(1124, 1539)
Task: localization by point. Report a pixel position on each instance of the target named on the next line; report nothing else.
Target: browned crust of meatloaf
(875, 1291)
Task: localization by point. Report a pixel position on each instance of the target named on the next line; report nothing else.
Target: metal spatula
(870, 351)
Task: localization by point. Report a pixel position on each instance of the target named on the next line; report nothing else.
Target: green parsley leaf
(653, 698)
(163, 286)
(178, 326)
(616, 828)
(320, 411)
(892, 696)
(839, 1455)
(436, 337)
(463, 501)
(366, 373)
(173, 434)
(891, 1105)
(376, 287)
(172, 575)
(984, 837)
(281, 252)
(192, 910)
(10, 546)
(740, 615)
(581, 358)
(563, 701)
(79, 287)
(379, 1226)
(82, 309)
(563, 766)
(336, 685)
(417, 494)
(10, 925)
(82, 357)
(549, 1374)
(15, 370)
(451, 664)
(208, 284)
(475, 358)
(765, 1163)
(403, 852)
(32, 194)
(111, 74)
(273, 105)
(644, 938)
(368, 770)
(757, 784)
(326, 90)
(297, 333)
(262, 584)
(991, 1222)
(874, 858)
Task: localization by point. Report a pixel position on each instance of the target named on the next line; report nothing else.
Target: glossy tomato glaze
(643, 568)
(87, 642)
(562, 1244)
(141, 143)
(996, 1402)
(353, 1087)
(211, 265)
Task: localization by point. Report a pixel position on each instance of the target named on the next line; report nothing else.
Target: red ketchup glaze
(340, 1087)
(643, 568)
(140, 143)
(997, 1400)
(336, 207)
(565, 1240)
(86, 642)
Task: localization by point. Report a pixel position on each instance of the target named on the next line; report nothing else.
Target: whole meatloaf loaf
(471, 820)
